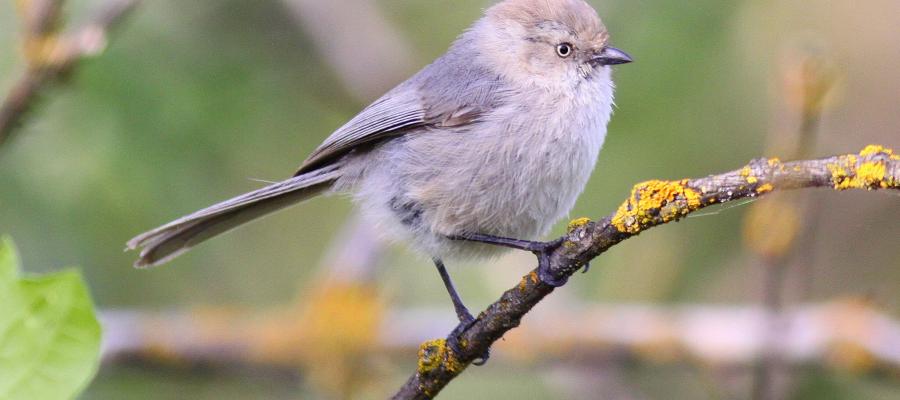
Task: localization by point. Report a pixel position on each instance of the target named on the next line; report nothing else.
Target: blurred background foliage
(194, 100)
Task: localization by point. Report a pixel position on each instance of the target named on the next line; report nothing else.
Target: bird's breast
(516, 172)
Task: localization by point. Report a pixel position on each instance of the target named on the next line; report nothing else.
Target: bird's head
(548, 43)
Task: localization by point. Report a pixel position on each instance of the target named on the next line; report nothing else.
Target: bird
(483, 150)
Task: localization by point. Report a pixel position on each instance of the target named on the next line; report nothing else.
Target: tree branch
(51, 55)
(852, 334)
(651, 204)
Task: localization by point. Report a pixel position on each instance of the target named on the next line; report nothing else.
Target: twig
(40, 17)
(51, 55)
(650, 204)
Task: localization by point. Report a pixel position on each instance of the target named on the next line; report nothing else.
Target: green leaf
(49, 334)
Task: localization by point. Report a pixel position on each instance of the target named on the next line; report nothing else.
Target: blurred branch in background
(850, 334)
(367, 67)
(51, 54)
(335, 325)
(332, 331)
(651, 204)
(781, 230)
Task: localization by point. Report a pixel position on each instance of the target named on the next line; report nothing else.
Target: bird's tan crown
(575, 15)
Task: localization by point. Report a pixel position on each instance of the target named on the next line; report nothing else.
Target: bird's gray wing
(451, 92)
(391, 115)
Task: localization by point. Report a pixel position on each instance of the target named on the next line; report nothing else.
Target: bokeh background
(195, 101)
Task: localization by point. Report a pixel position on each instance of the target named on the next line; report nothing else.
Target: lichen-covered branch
(51, 54)
(650, 204)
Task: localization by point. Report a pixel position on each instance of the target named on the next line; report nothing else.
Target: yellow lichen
(773, 162)
(452, 364)
(747, 173)
(578, 223)
(765, 188)
(575, 225)
(430, 355)
(535, 279)
(850, 173)
(841, 172)
(871, 174)
(656, 202)
(874, 149)
(694, 198)
(434, 354)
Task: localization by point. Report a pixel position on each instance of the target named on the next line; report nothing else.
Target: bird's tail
(171, 240)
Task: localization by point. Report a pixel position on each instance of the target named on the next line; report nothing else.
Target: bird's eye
(564, 50)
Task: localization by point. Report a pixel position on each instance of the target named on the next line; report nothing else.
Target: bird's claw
(545, 272)
(453, 340)
(540, 249)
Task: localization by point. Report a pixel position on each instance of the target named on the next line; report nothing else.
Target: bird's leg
(465, 317)
(540, 249)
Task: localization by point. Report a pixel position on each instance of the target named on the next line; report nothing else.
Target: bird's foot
(465, 322)
(540, 249)
(545, 273)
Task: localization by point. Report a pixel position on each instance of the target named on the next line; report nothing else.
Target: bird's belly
(434, 184)
(504, 187)
(537, 186)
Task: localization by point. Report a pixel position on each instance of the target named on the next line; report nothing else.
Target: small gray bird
(495, 140)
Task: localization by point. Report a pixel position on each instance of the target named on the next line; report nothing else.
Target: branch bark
(51, 55)
(651, 204)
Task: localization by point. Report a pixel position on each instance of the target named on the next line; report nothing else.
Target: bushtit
(494, 140)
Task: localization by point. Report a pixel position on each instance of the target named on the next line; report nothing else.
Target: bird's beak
(611, 56)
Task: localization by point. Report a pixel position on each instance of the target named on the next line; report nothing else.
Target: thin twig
(52, 55)
(650, 204)
(40, 17)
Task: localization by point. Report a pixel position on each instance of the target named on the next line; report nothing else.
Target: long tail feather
(171, 240)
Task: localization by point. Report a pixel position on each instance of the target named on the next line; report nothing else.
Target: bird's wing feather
(395, 112)
(452, 92)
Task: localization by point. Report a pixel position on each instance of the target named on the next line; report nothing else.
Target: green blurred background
(195, 99)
